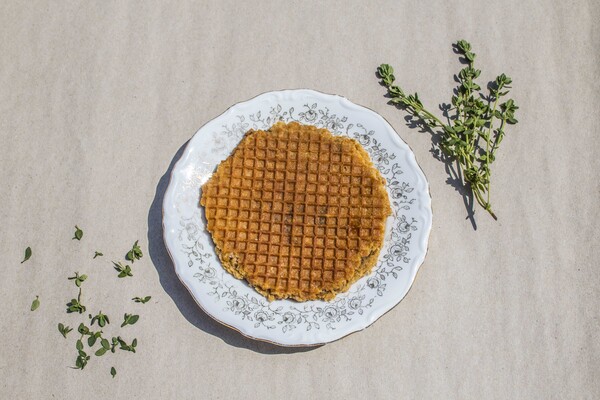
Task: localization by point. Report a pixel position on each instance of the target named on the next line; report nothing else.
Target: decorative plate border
(286, 322)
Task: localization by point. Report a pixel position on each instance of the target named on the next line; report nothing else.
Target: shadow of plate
(177, 291)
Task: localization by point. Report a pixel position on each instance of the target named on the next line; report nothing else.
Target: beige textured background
(98, 98)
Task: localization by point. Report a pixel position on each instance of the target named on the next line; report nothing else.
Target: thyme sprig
(129, 319)
(135, 253)
(474, 131)
(64, 330)
(79, 279)
(142, 300)
(75, 305)
(102, 319)
(124, 270)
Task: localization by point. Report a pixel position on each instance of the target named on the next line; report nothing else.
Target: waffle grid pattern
(295, 210)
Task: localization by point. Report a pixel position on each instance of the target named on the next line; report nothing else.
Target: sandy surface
(98, 99)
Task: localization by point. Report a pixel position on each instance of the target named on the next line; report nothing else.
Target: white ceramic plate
(286, 322)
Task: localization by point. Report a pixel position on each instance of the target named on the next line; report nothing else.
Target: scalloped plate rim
(351, 106)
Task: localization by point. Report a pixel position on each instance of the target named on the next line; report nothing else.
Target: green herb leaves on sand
(35, 304)
(135, 253)
(82, 357)
(78, 233)
(97, 344)
(64, 330)
(78, 279)
(142, 300)
(127, 347)
(105, 346)
(75, 305)
(83, 330)
(129, 319)
(124, 270)
(90, 342)
(101, 319)
(27, 254)
(93, 337)
(475, 122)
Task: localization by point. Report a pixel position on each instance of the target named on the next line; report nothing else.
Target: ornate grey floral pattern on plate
(286, 322)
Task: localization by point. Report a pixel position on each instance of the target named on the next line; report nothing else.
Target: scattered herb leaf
(114, 344)
(35, 304)
(27, 254)
(78, 233)
(102, 319)
(78, 278)
(135, 253)
(98, 254)
(142, 300)
(129, 319)
(84, 330)
(64, 330)
(75, 305)
(113, 371)
(127, 347)
(100, 352)
(124, 270)
(94, 336)
(82, 359)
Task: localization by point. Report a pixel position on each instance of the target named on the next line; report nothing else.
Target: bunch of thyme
(474, 131)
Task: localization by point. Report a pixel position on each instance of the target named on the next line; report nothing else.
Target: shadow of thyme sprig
(475, 130)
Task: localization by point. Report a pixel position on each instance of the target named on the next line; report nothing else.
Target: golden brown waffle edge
(297, 212)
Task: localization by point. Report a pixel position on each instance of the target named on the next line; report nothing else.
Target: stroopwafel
(297, 212)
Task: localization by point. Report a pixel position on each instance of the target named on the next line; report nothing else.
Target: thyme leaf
(78, 233)
(27, 255)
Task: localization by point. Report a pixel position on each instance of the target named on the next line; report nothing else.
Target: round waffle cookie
(297, 212)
